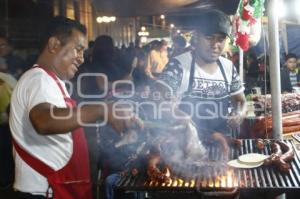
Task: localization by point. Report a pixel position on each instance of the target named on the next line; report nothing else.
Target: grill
(222, 179)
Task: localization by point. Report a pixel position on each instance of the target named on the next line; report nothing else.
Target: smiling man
(51, 153)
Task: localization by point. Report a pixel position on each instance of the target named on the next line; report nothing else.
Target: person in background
(290, 76)
(16, 65)
(7, 83)
(252, 72)
(89, 52)
(157, 58)
(51, 153)
(179, 44)
(5, 75)
(106, 60)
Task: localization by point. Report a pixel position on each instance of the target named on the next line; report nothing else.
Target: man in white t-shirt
(50, 149)
(207, 84)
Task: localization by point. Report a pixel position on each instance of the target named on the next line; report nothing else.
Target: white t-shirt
(36, 87)
(208, 86)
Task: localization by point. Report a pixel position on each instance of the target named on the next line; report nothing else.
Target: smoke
(175, 139)
(182, 149)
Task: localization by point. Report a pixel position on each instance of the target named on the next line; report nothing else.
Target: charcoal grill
(226, 180)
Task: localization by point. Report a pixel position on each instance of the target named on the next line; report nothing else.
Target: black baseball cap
(208, 22)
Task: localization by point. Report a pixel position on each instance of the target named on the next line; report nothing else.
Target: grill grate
(223, 178)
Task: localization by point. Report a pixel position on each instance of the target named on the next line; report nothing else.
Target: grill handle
(218, 193)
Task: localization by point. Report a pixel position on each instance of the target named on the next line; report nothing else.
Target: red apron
(73, 180)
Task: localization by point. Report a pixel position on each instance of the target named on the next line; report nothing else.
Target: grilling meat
(177, 147)
(290, 103)
(276, 153)
(153, 170)
(281, 155)
(287, 150)
(259, 143)
(287, 156)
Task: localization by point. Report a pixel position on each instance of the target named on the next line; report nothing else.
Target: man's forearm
(52, 120)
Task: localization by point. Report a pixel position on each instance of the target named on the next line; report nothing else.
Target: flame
(217, 183)
(223, 181)
(186, 184)
(210, 182)
(175, 183)
(229, 178)
(170, 183)
(226, 180)
(193, 183)
(156, 184)
(151, 183)
(180, 182)
(167, 172)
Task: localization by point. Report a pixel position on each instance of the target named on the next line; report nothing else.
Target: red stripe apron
(73, 180)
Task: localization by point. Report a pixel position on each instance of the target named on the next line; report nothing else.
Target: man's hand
(220, 138)
(237, 116)
(122, 118)
(235, 119)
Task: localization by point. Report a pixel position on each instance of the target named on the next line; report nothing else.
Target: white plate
(241, 165)
(252, 158)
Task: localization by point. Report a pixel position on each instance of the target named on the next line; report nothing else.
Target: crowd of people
(50, 147)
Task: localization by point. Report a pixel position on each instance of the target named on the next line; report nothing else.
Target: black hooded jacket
(286, 85)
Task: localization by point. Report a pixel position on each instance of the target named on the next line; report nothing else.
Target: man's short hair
(180, 40)
(62, 28)
(290, 55)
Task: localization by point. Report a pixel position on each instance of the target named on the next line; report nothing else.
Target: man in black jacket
(290, 75)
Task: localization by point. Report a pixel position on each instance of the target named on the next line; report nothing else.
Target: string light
(106, 19)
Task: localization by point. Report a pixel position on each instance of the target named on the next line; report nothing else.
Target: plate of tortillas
(248, 161)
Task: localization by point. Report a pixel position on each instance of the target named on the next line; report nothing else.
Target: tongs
(163, 126)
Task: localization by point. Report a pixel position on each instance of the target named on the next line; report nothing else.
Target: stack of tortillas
(248, 161)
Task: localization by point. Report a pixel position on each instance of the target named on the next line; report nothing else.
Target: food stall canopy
(131, 8)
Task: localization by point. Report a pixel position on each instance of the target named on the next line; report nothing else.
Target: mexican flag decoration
(247, 18)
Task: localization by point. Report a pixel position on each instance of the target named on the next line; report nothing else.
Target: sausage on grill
(259, 143)
(287, 156)
(282, 154)
(288, 152)
(276, 153)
